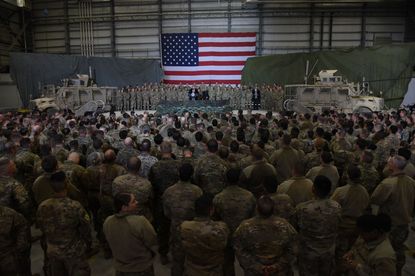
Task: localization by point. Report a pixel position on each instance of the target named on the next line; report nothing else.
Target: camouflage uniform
(42, 190)
(265, 246)
(60, 153)
(233, 205)
(107, 173)
(375, 258)
(76, 175)
(395, 197)
(210, 173)
(14, 195)
(299, 189)
(162, 175)
(147, 161)
(370, 177)
(327, 170)
(253, 176)
(14, 243)
(284, 160)
(25, 163)
(140, 187)
(65, 224)
(178, 205)
(284, 206)
(125, 154)
(204, 242)
(317, 221)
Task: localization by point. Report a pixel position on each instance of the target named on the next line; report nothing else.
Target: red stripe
(202, 81)
(197, 73)
(227, 34)
(225, 54)
(221, 63)
(226, 44)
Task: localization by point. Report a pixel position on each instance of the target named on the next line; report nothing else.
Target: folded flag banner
(209, 58)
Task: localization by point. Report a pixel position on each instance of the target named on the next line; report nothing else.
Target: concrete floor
(102, 267)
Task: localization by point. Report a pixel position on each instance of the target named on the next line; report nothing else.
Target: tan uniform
(299, 189)
(253, 176)
(395, 197)
(329, 171)
(284, 160)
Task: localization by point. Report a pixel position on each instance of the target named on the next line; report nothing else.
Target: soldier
(326, 169)
(298, 187)
(25, 162)
(132, 183)
(354, 199)
(265, 244)
(162, 175)
(59, 150)
(409, 169)
(283, 204)
(42, 188)
(147, 160)
(94, 184)
(233, 205)
(126, 152)
(285, 158)
(108, 171)
(395, 197)
(210, 170)
(65, 224)
(372, 254)
(370, 176)
(14, 243)
(253, 176)
(317, 221)
(178, 205)
(12, 193)
(131, 238)
(203, 240)
(75, 172)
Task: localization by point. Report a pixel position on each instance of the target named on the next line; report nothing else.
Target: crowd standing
(148, 96)
(327, 194)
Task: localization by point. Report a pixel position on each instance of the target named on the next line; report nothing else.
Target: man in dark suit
(256, 98)
(193, 94)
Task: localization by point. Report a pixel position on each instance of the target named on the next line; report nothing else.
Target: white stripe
(229, 58)
(227, 49)
(201, 68)
(204, 77)
(227, 39)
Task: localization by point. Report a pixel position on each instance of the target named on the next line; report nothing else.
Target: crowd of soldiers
(326, 194)
(148, 96)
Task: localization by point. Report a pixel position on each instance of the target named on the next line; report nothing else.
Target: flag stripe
(201, 68)
(196, 73)
(227, 44)
(218, 81)
(206, 57)
(204, 77)
(226, 49)
(225, 54)
(232, 39)
(221, 63)
(229, 58)
(226, 35)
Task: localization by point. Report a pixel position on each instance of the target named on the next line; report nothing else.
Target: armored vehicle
(77, 95)
(330, 92)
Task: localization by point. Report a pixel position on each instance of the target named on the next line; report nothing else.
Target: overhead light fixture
(21, 3)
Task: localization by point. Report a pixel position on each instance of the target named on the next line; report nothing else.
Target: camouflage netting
(386, 68)
(179, 107)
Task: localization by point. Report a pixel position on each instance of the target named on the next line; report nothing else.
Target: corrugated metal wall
(127, 28)
(10, 22)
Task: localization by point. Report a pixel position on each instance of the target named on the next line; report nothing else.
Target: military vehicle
(331, 92)
(77, 95)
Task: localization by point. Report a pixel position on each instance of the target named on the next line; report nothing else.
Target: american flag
(210, 58)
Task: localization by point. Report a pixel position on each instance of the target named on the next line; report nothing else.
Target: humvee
(330, 92)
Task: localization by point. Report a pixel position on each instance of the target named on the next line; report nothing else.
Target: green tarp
(386, 68)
